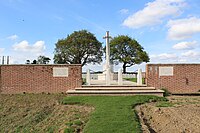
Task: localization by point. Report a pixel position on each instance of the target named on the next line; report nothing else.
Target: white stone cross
(107, 37)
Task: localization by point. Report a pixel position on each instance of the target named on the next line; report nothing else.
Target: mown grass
(135, 80)
(113, 114)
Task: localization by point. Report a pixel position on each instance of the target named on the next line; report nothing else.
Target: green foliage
(81, 47)
(128, 51)
(83, 81)
(40, 60)
(113, 114)
(43, 60)
(34, 62)
(166, 92)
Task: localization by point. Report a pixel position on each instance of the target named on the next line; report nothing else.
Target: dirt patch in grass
(41, 113)
(181, 114)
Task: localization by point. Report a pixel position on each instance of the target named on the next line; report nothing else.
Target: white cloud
(123, 11)
(183, 28)
(13, 37)
(185, 45)
(25, 51)
(1, 50)
(154, 12)
(24, 46)
(191, 54)
(164, 56)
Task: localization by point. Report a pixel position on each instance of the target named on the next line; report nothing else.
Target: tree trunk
(124, 68)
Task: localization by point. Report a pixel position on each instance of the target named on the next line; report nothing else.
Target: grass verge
(113, 114)
(40, 113)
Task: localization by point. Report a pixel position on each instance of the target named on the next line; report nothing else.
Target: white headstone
(139, 77)
(120, 82)
(88, 77)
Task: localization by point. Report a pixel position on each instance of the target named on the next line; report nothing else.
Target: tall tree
(34, 62)
(81, 47)
(43, 60)
(127, 51)
(28, 62)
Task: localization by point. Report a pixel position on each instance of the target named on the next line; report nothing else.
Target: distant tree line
(40, 60)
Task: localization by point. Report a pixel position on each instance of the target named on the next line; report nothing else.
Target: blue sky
(169, 30)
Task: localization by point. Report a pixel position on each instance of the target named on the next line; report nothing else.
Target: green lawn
(135, 79)
(113, 114)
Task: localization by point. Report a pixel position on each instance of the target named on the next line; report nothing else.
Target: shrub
(166, 92)
(83, 81)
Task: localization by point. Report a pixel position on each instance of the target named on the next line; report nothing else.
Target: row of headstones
(120, 77)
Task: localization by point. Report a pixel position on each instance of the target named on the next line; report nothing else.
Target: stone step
(111, 86)
(114, 88)
(116, 92)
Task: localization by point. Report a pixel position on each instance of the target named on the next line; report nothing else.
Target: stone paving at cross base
(112, 82)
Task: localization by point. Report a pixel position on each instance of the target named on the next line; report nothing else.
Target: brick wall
(185, 78)
(38, 78)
